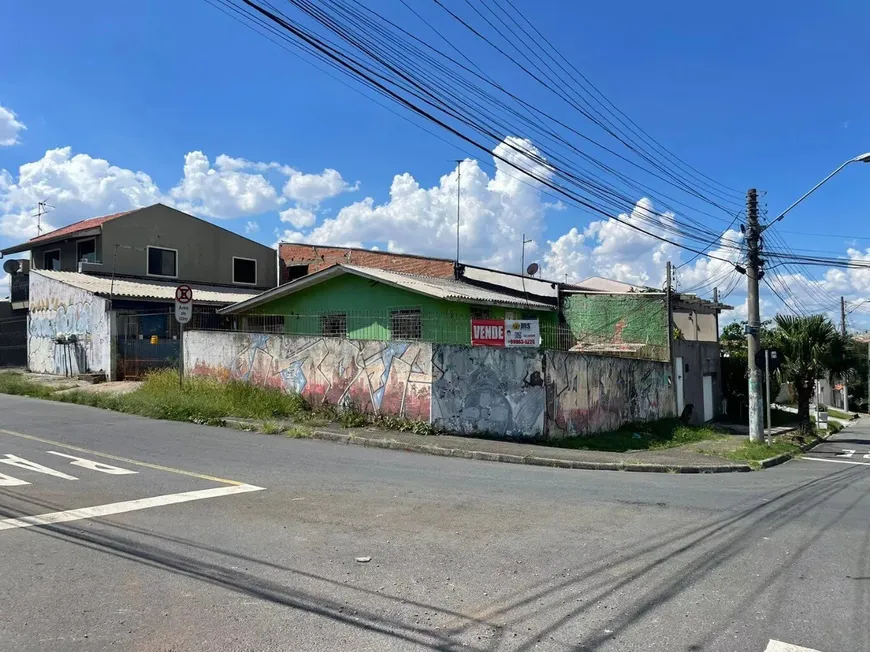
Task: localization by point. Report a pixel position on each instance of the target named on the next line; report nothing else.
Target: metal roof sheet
(441, 288)
(141, 289)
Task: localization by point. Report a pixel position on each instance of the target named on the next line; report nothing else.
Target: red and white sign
(183, 304)
(487, 332)
(183, 294)
(505, 332)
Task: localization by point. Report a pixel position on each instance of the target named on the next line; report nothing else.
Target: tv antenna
(41, 209)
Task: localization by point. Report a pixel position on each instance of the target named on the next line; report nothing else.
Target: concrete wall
(55, 308)
(467, 390)
(699, 359)
(489, 390)
(587, 394)
(696, 326)
(381, 377)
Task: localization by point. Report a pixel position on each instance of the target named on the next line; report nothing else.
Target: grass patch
(298, 432)
(651, 435)
(208, 402)
(12, 382)
(839, 414)
(755, 452)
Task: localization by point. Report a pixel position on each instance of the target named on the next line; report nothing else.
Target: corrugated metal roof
(441, 288)
(140, 289)
(447, 288)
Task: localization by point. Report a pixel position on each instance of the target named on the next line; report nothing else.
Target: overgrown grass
(838, 414)
(651, 435)
(12, 382)
(755, 452)
(208, 402)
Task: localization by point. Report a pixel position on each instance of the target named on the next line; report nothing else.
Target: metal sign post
(183, 313)
(767, 380)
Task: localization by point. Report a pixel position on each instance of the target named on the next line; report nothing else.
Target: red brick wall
(318, 258)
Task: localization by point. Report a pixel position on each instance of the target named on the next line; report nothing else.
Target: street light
(863, 158)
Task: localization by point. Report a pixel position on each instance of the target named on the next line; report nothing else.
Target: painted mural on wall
(61, 312)
(587, 394)
(487, 389)
(379, 377)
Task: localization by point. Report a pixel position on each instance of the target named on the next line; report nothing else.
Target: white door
(708, 398)
(678, 373)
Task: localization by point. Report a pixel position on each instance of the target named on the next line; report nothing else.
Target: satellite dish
(12, 266)
(532, 269)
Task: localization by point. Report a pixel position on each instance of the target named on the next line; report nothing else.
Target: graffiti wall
(489, 390)
(58, 309)
(381, 377)
(587, 394)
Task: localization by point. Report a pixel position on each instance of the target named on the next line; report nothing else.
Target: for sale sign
(522, 332)
(487, 332)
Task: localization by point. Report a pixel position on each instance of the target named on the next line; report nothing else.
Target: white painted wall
(56, 307)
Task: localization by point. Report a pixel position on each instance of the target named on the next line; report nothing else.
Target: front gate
(13, 341)
(145, 342)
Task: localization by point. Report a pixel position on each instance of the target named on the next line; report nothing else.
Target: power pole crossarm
(753, 336)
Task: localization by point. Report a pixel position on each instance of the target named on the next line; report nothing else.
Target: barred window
(406, 324)
(333, 325)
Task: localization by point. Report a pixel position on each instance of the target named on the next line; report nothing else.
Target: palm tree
(811, 348)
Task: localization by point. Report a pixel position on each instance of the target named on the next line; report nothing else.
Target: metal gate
(13, 341)
(146, 341)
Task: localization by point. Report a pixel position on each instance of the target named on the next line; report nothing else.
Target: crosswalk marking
(779, 646)
(823, 459)
(97, 511)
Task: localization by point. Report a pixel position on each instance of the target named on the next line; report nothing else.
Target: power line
(378, 82)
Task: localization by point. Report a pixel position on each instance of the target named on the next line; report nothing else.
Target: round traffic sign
(183, 294)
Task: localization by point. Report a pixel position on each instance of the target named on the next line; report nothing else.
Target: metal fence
(412, 324)
(13, 342)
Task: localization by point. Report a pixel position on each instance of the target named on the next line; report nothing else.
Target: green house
(374, 304)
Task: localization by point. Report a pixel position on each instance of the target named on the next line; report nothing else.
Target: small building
(366, 303)
(99, 294)
(605, 313)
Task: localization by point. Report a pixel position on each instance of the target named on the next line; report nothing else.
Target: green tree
(811, 348)
(735, 368)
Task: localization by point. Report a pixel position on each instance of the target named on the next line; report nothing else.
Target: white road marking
(9, 481)
(22, 463)
(94, 466)
(847, 452)
(779, 646)
(126, 506)
(822, 459)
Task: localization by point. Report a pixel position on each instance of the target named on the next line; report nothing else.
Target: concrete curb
(533, 460)
(785, 457)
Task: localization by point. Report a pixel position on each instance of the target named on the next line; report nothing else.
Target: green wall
(635, 318)
(368, 304)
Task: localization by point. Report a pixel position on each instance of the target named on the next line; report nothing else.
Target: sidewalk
(672, 460)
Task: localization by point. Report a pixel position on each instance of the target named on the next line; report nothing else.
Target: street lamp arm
(857, 159)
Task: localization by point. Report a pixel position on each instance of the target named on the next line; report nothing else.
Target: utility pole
(458, 192)
(753, 329)
(678, 373)
(845, 390)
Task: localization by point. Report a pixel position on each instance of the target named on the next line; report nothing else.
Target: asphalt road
(195, 538)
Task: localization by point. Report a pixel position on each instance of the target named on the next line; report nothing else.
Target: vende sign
(487, 332)
(510, 332)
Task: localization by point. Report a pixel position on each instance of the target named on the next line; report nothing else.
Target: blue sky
(772, 95)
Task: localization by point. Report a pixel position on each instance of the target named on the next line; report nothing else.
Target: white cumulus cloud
(298, 217)
(314, 188)
(10, 127)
